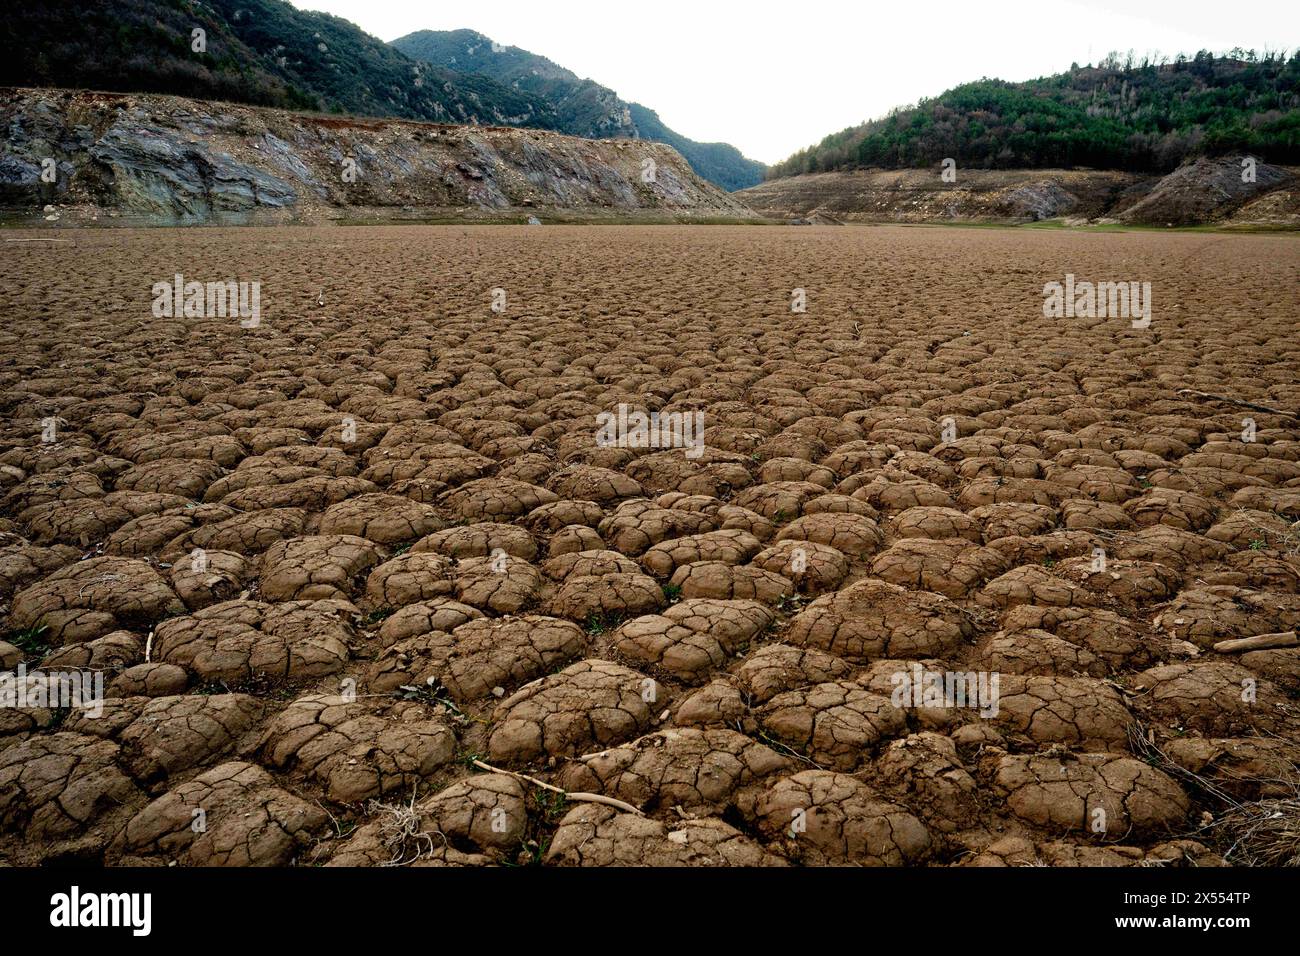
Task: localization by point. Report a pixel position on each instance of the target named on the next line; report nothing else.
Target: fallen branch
(575, 797)
(1237, 401)
(1264, 642)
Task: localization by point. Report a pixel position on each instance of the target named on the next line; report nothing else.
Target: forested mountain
(582, 107)
(1141, 116)
(263, 52)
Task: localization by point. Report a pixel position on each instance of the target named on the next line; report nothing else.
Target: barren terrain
(165, 160)
(334, 566)
(1204, 191)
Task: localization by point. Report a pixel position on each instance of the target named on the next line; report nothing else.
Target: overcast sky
(773, 77)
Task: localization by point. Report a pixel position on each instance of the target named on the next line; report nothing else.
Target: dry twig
(575, 797)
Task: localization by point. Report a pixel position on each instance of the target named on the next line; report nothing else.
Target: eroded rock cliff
(163, 159)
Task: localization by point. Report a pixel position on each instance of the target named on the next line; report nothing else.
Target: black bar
(512, 907)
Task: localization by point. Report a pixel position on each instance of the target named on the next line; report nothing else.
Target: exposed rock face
(152, 171)
(1208, 190)
(163, 159)
(920, 195)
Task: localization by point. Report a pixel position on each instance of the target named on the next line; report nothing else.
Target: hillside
(140, 158)
(582, 107)
(1204, 191)
(262, 52)
(720, 163)
(1139, 117)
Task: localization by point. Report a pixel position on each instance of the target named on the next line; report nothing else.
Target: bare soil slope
(1207, 191)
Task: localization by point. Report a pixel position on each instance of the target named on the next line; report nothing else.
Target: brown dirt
(1204, 191)
(413, 553)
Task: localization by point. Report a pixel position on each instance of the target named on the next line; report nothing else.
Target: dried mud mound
(941, 583)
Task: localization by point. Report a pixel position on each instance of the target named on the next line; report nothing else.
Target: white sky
(772, 77)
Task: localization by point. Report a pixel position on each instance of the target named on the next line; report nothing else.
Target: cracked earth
(333, 568)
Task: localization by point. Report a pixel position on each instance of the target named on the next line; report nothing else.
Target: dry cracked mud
(942, 585)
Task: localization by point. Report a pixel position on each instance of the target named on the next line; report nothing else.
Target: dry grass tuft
(403, 836)
(1263, 833)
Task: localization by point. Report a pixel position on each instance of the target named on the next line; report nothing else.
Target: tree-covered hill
(1140, 116)
(264, 52)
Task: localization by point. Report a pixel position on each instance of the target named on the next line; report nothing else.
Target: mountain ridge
(583, 106)
(259, 52)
